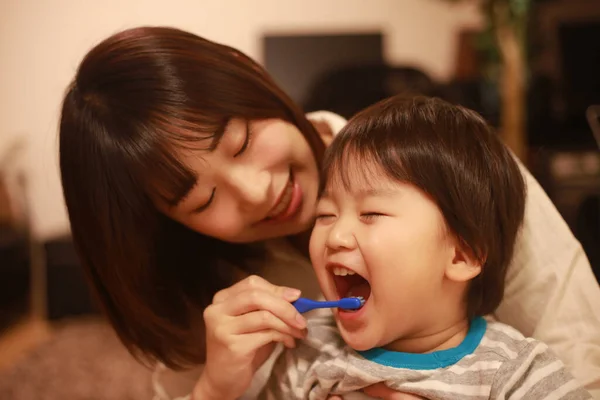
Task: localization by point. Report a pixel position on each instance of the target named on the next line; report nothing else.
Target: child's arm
(535, 373)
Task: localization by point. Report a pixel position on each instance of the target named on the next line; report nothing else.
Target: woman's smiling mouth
(288, 203)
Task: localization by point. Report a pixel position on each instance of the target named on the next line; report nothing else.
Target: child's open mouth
(348, 283)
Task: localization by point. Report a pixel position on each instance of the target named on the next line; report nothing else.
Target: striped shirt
(494, 361)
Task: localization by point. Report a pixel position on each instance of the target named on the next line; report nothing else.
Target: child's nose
(341, 235)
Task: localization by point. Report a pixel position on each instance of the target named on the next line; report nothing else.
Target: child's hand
(242, 324)
(380, 391)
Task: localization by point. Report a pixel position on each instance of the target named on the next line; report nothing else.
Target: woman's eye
(204, 206)
(247, 140)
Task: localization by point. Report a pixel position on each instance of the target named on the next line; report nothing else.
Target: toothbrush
(348, 303)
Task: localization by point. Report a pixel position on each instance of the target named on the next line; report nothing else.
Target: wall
(42, 41)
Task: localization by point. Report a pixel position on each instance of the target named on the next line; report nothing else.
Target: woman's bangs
(166, 176)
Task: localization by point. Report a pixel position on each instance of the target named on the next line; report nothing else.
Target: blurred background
(532, 68)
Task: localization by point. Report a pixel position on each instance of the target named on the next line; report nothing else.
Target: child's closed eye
(371, 216)
(324, 217)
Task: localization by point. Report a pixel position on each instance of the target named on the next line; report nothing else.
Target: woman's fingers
(263, 320)
(263, 338)
(253, 314)
(255, 282)
(259, 300)
(242, 325)
(248, 344)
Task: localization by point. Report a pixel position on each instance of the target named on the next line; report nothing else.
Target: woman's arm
(535, 373)
(243, 323)
(551, 293)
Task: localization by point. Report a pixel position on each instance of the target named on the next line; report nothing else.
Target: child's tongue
(353, 286)
(362, 289)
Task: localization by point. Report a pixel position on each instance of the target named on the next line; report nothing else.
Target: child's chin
(358, 341)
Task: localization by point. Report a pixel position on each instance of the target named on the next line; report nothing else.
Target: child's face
(393, 239)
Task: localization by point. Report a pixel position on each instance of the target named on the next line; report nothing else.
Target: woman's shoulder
(334, 121)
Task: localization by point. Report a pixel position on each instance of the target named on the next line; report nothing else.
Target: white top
(551, 293)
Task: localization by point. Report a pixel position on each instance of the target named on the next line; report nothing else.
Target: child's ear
(463, 266)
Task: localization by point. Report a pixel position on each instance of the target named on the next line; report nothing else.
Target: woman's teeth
(341, 271)
(284, 203)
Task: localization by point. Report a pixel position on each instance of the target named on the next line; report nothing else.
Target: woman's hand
(242, 325)
(380, 391)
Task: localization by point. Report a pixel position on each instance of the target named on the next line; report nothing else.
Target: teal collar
(437, 359)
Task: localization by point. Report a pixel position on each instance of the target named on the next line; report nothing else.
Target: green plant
(502, 45)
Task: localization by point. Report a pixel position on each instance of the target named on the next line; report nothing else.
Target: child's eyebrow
(362, 193)
(374, 192)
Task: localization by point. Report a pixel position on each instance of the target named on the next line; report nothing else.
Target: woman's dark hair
(137, 97)
(451, 154)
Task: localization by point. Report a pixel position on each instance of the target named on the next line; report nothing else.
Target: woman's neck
(442, 338)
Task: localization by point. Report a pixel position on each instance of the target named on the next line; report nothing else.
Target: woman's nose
(249, 185)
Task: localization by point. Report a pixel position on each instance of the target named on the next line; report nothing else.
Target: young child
(420, 208)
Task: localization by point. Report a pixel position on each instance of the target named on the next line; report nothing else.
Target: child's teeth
(341, 271)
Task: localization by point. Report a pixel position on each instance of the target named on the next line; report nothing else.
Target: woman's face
(260, 182)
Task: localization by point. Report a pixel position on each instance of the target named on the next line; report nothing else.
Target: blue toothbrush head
(351, 303)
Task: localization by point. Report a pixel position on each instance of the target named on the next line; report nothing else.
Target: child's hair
(451, 154)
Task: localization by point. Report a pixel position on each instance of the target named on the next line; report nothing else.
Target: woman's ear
(324, 131)
(463, 266)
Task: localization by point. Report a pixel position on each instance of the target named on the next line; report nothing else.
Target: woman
(185, 170)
